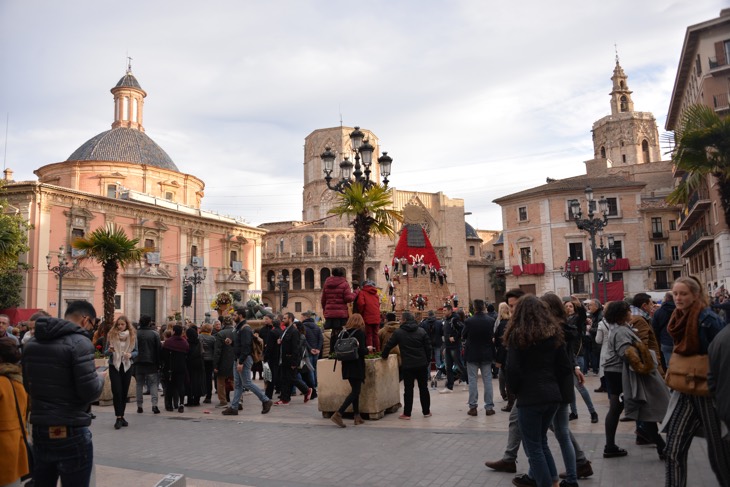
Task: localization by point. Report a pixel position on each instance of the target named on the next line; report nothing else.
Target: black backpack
(347, 347)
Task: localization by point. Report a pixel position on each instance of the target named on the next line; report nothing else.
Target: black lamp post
(61, 270)
(282, 282)
(363, 150)
(605, 254)
(568, 274)
(592, 224)
(195, 274)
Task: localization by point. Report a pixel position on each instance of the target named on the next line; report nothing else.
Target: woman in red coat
(368, 305)
(336, 293)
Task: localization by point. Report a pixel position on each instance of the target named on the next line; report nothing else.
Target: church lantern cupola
(128, 102)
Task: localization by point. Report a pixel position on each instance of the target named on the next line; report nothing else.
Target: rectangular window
(117, 302)
(522, 211)
(672, 224)
(526, 255)
(659, 251)
(676, 275)
(472, 251)
(717, 253)
(612, 206)
(309, 244)
(111, 191)
(575, 250)
(234, 256)
(77, 233)
(618, 250)
(570, 209)
(169, 196)
(579, 284)
(656, 226)
(617, 276)
(149, 244)
(661, 280)
(501, 255)
(675, 253)
(297, 307)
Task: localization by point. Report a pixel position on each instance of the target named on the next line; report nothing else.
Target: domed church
(123, 176)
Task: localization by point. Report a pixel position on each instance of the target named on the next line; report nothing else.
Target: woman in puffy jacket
(336, 293)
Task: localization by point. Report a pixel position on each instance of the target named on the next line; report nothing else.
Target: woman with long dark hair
(575, 329)
(195, 386)
(537, 365)
(692, 327)
(174, 368)
(353, 371)
(121, 348)
(501, 355)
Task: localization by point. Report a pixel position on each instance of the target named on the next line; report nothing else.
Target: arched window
(271, 280)
(324, 245)
(296, 279)
(645, 150)
(603, 152)
(281, 245)
(309, 279)
(324, 273)
(308, 244)
(341, 246)
(623, 85)
(370, 274)
(624, 104)
(285, 277)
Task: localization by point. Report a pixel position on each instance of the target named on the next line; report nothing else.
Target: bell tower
(621, 95)
(128, 101)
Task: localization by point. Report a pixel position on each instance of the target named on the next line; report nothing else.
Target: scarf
(176, 344)
(684, 328)
(122, 347)
(12, 372)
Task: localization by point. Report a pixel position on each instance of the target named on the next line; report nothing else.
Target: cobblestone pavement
(294, 446)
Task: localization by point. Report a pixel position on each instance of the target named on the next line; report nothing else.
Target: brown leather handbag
(688, 374)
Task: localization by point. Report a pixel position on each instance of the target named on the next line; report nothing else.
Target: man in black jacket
(315, 340)
(478, 339)
(453, 326)
(435, 330)
(59, 374)
(289, 360)
(415, 354)
(271, 353)
(242, 347)
(147, 363)
(223, 359)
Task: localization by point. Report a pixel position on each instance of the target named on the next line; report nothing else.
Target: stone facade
(702, 78)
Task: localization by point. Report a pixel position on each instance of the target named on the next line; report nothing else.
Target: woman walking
(174, 369)
(207, 344)
(537, 365)
(501, 355)
(692, 327)
(121, 348)
(195, 386)
(353, 370)
(575, 329)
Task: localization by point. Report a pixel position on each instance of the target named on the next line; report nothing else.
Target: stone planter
(106, 399)
(380, 393)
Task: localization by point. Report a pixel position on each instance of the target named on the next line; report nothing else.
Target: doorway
(148, 303)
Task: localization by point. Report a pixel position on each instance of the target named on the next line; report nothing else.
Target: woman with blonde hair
(121, 348)
(353, 370)
(692, 327)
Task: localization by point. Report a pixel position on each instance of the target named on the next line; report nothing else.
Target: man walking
(289, 359)
(315, 340)
(147, 363)
(59, 374)
(242, 348)
(453, 327)
(435, 330)
(415, 353)
(478, 338)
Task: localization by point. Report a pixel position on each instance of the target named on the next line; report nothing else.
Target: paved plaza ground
(293, 446)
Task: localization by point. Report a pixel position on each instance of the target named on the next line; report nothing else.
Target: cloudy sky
(474, 98)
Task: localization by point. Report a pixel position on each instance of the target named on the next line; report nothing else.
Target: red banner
(579, 266)
(516, 270)
(537, 269)
(615, 291)
(620, 265)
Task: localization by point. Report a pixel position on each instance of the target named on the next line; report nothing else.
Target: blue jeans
(486, 370)
(562, 434)
(313, 372)
(667, 353)
(70, 458)
(242, 380)
(584, 394)
(534, 422)
(437, 357)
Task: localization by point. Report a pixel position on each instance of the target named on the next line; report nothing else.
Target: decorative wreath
(221, 300)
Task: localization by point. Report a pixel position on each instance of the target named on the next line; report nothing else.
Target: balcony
(579, 266)
(698, 203)
(721, 102)
(659, 235)
(665, 262)
(662, 285)
(695, 242)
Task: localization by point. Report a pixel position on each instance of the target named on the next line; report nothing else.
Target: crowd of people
(539, 349)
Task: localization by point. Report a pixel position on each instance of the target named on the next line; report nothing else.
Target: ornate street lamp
(605, 256)
(282, 282)
(592, 224)
(61, 270)
(195, 274)
(568, 274)
(363, 151)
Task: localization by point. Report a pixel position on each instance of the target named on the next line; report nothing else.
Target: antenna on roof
(615, 48)
(129, 64)
(7, 123)
(340, 110)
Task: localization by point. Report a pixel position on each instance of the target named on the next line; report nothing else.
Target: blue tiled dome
(124, 145)
(470, 232)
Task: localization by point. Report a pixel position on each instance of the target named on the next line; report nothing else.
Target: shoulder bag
(688, 374)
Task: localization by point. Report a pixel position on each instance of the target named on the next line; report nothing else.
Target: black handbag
(346, 347)
(25, 439)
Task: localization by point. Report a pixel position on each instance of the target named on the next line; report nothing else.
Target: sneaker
(573, 416)
(124, 422)
(281, 403)
(118, 424)
(502, 466)
(308, 395)
(594, 417)
(583, 470)
(314, 394)
(445, 391)
(403, 416)
(230, 412)
(489, 412)
(155, 410)
(140, 410)
(180, 408)
(267, 406)
(524, 480)
(614, 452)
(472, 412)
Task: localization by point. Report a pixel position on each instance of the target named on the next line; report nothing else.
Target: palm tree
(703, 149)
(110, 247)
(372, 213)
